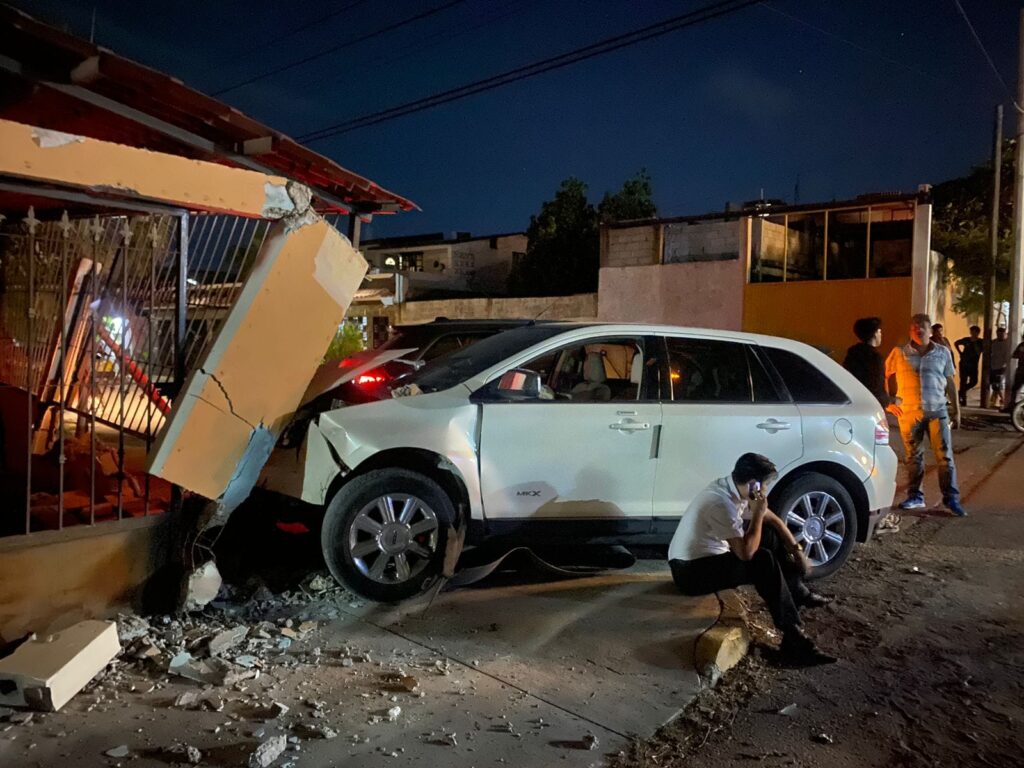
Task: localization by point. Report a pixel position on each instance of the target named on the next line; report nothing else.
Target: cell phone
(754, 489)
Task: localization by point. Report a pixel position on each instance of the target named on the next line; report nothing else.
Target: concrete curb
(727, 641)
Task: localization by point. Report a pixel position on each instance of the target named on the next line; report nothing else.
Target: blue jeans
(913, 428)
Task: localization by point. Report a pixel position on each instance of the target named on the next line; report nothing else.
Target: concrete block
(46, 673)
(728, 641)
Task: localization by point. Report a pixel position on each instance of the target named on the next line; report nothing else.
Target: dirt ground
(930, 630)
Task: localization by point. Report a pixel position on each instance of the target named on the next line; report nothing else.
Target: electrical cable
(308, 24)
(568, 58)
(988, 58)
(340, 46)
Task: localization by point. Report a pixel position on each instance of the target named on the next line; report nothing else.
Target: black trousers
(968, 378)
(776, 579)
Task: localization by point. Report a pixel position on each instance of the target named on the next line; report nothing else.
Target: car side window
(451, 342)
(708, 371)
(764, 386)
(804, 381)
(597, 370)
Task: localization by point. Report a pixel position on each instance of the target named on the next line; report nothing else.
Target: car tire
(382, 560)
(1017, 416)
(832, 513)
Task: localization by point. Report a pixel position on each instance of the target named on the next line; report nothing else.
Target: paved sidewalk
(527, 674)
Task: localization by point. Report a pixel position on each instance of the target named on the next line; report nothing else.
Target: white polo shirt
(714, 516)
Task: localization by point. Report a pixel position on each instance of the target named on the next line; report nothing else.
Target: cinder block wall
(631, 246)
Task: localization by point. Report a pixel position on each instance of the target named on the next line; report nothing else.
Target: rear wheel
(820, 514)
(385, 532)
(1017, 416)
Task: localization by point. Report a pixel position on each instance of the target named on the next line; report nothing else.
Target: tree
(634, 201)
(961, 231)
(562, 250)
(562, 246)
(346, 342)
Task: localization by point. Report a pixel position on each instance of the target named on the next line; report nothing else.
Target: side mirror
(519, 384)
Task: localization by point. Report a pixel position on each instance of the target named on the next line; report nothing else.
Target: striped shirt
(920, 379)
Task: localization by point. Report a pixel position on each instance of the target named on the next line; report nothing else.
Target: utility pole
(990, 285)
(1017, 270)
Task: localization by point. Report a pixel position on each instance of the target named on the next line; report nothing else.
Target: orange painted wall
(822, 313)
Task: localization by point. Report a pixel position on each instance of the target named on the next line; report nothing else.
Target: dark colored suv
(430, 341)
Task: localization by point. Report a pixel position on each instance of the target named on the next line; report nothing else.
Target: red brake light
(371, 377)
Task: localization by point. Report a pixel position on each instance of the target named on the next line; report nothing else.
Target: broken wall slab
(244, 390)
(45, 672)
(112, 170)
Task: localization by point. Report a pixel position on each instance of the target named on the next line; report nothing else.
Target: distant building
(801, 271)
(431, 267)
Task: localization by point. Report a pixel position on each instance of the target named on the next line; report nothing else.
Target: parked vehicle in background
(591, 432)
(428, 341)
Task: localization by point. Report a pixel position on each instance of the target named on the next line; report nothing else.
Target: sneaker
(956, 508)
(814, 599)
(913, 502)
(798, 650)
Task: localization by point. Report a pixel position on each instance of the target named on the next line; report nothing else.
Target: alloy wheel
(817, 522)
(393, 538)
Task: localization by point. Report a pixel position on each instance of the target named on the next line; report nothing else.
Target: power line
(852, 43)
(312, 23)
(985, 53)
(593, 50)
(335, 48)
(514, 8)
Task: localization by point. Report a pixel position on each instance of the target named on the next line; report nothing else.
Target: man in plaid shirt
(922, 372)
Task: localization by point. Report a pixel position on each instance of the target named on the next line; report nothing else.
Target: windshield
(445, 372)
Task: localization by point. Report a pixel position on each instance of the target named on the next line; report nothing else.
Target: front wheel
(820, 514)
(385, 532)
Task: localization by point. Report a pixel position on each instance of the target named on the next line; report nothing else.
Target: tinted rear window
(805, 382)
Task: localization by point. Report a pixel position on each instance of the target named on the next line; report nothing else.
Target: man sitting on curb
(711, 551)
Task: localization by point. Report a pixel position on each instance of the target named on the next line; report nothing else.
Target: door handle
(774, 425)
(630, 426)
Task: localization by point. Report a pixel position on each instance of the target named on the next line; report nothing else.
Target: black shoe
(815, 599)
(798, 650)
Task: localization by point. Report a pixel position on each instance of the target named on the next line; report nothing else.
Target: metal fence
(101, 318)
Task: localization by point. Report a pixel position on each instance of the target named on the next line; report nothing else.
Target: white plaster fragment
(277, 203)
(47, 139)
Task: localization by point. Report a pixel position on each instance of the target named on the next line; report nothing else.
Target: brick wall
(702, 241)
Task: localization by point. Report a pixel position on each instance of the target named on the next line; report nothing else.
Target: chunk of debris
(45, 673)
(267, 752)
(789, 710)
(823, 738)
(21, 718)
(186, 751)
(226, 640)
(121, 751)
(308, 626)
(399, 683)
(318, 731)
(131, 628)
(202, 586)
(445, 740)
(393, 714)
(187, 700)
(277, 709)
(320, 583)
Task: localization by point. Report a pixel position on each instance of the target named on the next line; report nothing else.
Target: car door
(586, 452)
(718, 403)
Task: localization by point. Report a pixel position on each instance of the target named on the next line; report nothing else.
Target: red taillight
(881, 432)
(370, 378)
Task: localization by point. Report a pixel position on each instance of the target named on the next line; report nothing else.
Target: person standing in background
(864, 361)
(998, 360)
(970, 348)
(938, 337)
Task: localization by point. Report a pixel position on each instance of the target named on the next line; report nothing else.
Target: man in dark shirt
(969, 348)
(864, 361)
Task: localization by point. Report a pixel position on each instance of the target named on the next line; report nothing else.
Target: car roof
(657, 328)
(443, 323)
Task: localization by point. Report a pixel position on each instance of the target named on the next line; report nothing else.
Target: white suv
(590, 432)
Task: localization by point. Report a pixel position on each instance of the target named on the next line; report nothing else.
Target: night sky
(846, 97)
